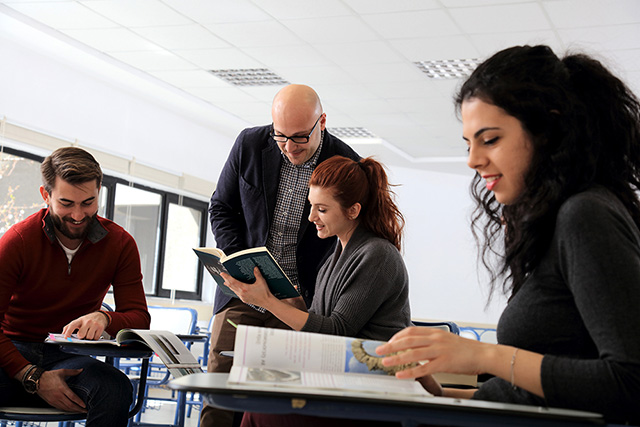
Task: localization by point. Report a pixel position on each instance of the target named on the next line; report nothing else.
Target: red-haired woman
(362, 290)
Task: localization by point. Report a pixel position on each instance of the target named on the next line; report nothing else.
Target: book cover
(240, 266)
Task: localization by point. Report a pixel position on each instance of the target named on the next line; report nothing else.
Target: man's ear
(354, 211)
(45, 195)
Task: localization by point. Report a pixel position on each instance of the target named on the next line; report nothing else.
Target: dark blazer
(243, 203)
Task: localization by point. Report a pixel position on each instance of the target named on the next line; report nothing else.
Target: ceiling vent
(448, 68)
(250, 77)
(351, 132)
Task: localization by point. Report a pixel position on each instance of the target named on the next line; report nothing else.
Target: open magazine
(284, 358)
(171, 350)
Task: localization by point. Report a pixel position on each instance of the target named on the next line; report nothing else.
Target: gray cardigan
(362, 292)
(579, 308)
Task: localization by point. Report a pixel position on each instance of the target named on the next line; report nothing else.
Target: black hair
(584, 124)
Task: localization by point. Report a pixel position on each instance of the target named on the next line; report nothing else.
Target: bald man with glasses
(261, 200)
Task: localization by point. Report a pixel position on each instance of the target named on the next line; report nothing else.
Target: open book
(171, 350)
(269, 358)
(240, 266)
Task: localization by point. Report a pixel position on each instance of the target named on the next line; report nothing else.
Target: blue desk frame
(433, 411)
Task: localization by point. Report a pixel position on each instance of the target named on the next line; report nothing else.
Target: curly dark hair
(584, 124)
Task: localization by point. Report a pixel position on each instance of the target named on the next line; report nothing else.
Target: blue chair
(445, 325)
(182, 321)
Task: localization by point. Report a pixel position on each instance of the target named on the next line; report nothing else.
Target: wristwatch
(31, 382)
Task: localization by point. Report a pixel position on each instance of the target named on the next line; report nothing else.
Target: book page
(60, 338)
(303, 351)
(276, 377)
(171, 350)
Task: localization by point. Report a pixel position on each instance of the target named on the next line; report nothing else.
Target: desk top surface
(215, 384)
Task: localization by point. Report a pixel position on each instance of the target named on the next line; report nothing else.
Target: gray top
(579, 309)
(362, 292)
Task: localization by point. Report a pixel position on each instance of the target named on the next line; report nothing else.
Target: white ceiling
(357, 54)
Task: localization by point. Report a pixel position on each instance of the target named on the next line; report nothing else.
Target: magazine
(171, 350)
(284, 358)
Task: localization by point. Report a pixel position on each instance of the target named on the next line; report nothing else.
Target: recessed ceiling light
(250, 77)
(447, 68)
(351, 132)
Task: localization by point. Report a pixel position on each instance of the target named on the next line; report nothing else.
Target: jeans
(106, 391)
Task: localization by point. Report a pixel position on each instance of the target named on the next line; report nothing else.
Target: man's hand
(55, 391)
(90, 326)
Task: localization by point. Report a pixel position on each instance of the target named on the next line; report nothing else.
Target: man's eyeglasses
(295, 139)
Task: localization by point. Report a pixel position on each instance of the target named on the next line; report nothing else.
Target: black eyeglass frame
(294, 139)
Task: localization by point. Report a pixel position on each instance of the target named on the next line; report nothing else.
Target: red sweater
(40, 292)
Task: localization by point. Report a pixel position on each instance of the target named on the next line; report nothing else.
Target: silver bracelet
(513, 364)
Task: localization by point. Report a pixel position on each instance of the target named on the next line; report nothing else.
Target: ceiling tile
(475, 3)
(488, 44)
(137, 13)
(257, 113)
(296, 9)
(587, 13)
(175, 37)
(331, 30)
(612, 37)
(255, 34)
(622, 60)
(385, 6)
(425, 49)
(219, 59)
(262, 93)
(431, 23)
(153, 61)
(314, 76)
(222, 95)
(382, 73)
(112, 39)
(359, 53)
(501, 19)
(63, 15)
(190, 78)
(218, 11)
(285, 56)
(336, 93)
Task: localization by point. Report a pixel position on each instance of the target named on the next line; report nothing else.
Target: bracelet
(27, 372)
(513, 364)
(107, 315)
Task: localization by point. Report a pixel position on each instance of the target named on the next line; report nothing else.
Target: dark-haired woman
(556, 146)
(362, 289)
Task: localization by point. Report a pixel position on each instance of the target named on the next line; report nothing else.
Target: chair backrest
(179, 320)
(469, 333)
(445, 325)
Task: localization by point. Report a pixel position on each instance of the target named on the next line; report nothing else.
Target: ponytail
(363, 182)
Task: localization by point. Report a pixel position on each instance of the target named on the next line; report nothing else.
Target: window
(165, 225)
(181, 266)
(138, 212)
(19, 184)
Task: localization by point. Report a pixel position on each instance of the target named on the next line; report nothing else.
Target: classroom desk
(111, 353)
(409, 411)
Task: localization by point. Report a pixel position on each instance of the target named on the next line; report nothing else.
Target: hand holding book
(256, 293)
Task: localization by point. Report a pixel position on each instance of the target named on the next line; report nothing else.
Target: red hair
(363, 182)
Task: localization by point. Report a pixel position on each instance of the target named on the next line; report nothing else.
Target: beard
(60, 224)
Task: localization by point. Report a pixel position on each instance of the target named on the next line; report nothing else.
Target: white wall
(440, 251)
(47, 86)
(135, 117)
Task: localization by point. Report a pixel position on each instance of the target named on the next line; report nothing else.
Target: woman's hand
(256, 293)
(435, 351)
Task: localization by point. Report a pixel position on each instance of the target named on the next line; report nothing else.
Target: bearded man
(57, 266)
